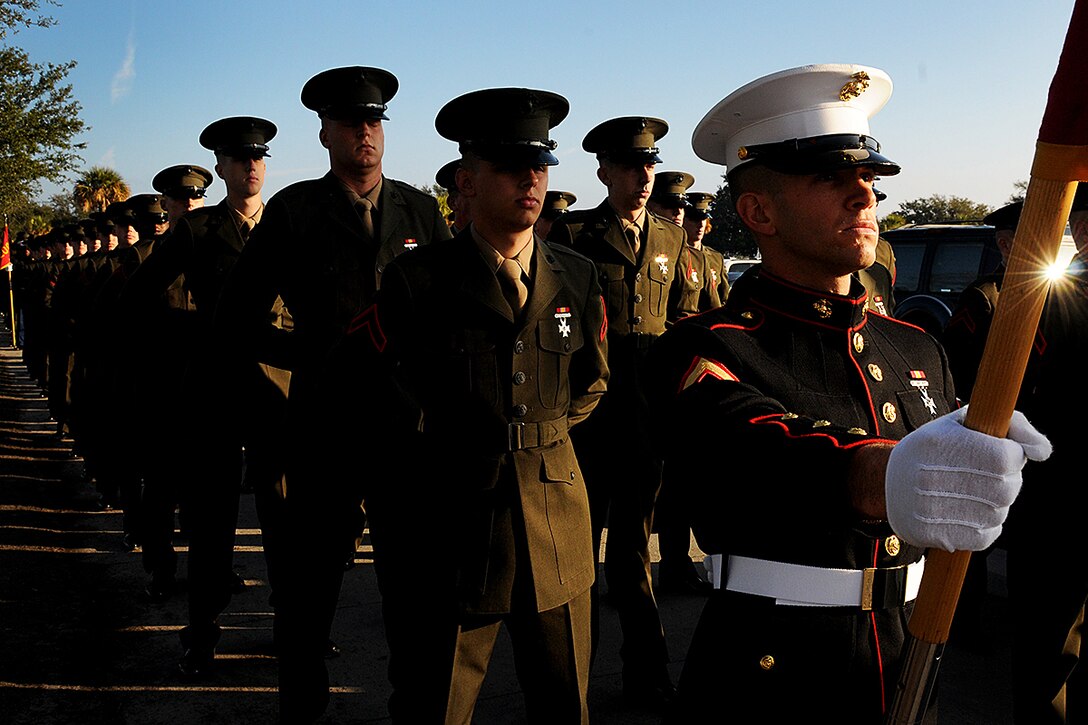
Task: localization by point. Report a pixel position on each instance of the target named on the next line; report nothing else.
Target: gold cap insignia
(857, 85)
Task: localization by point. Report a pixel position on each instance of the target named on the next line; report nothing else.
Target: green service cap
(504, 124)
(354, 93)
(670, 187)
(556, 203)
(628, 140)
(239, 136)
(185, 181)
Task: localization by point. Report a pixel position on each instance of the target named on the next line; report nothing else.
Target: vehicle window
(955, 265)
(908, 265)
(736, 269)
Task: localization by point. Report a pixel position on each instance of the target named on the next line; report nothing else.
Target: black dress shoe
(196, 662)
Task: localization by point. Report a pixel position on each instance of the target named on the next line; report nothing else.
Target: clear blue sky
(971, 76)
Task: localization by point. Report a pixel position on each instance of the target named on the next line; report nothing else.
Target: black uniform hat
(239, 136)
(1005, 218)
(119, 213)
(556, 203)
(184, 181)
(630, 139)
(146, 208)
(102, 221)
(504, 124)
(353, 93)
(799, 121)
(447, 175)
(89, 226)
(670, 187)
(698, 204)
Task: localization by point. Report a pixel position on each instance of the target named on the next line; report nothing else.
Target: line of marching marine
(320, 350)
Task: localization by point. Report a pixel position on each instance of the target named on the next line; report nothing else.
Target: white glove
(950, 487)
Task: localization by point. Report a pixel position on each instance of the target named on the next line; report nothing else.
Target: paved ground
(79, 644)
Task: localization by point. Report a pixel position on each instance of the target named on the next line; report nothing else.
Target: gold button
(821, 424)
(766, 662)
(875, 371)
(858, 431)
(859, 342)
(889, 412)
(789, 416)
(891, 545)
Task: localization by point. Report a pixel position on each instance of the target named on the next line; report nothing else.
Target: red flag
(5, 252)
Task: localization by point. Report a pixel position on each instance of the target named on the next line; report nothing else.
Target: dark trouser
(673, 527)
(551, 655)
(214, 485)
(438, 658)
(157, 506)
(623, 479)
(792, 663)
(321, 525)
(1047, 592)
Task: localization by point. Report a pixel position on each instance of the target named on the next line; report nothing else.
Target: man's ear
(323, 137)
(219, 170)
(756, 212)
(602, 175)
(464, 181)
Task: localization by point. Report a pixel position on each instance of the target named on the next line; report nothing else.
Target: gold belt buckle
(867, 577)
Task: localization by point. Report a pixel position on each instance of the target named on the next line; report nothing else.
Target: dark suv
(933, 263)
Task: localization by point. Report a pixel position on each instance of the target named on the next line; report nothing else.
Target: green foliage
(939, 208)
(1021, 192)
(97, 188)
(64, 209)
(892, 221)
(39, 117)
(18, 14)
(727, 234)
(34, 218)
(440, 194)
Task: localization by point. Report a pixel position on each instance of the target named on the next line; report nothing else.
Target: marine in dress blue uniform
(788, 381)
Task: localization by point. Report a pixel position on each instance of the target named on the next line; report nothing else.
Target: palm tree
(99, 187)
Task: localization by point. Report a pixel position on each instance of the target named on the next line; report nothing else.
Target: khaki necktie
(633, 237)
(513, 287)
(247, 227)
(365, 206)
